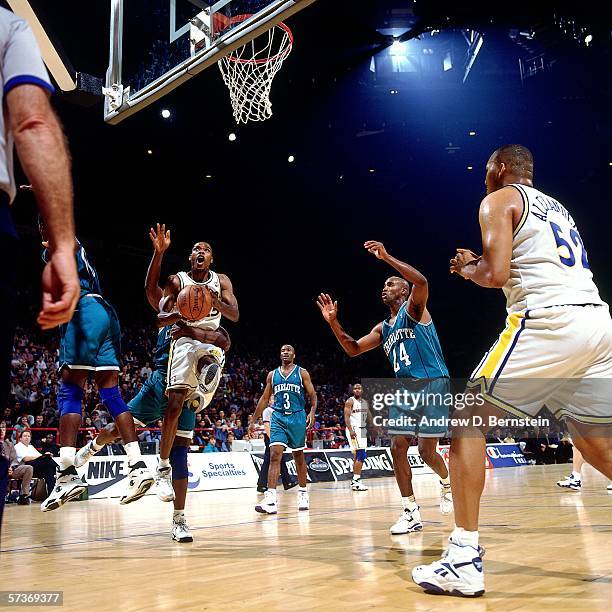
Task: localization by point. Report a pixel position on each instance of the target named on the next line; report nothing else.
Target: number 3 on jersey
(574, 236)
(286, 402)
(403, 355)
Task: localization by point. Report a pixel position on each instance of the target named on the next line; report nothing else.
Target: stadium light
(291, 159)
(165, 113)
(588, 39)
(231, 137)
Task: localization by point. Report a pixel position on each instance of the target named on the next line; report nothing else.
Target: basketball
(194, 302)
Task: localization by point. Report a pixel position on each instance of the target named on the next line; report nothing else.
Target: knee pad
(112, 399)
(70, 398)
(360, 455)
(178, 461)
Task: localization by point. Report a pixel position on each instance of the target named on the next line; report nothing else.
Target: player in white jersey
(556, 348)
(355, 419)
(194, 367)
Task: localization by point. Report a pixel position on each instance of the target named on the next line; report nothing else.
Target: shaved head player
(557, 328)
(411, 344)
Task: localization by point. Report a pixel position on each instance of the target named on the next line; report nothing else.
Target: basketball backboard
(157, 45)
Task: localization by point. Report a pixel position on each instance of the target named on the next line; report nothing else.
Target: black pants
(263, 474)
(8, 299)
(45, 468)
(4, 466)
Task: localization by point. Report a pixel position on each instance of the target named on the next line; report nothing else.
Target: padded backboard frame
(208, 44)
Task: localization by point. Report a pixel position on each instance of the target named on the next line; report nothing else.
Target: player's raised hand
(463, 258)
(160, 238)
(328, 308)
(60, 289)
(376, 248)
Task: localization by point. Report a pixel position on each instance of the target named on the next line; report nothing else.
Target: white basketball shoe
(85, 454)
(140, 481)
(459, 572)
(67, 486)
(408, 522)
(446, 499)
(163, 484)
(303, 502)
(571, 482)
(268, 504)
(180, 531)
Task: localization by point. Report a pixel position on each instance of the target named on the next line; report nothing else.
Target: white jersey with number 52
(549, 264)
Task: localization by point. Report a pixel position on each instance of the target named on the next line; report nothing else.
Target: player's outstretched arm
(352, 347)
(492, 269)
(312, 394)
(417, 302)
(167, 303)
(160, 239)
(264, 399)
(226, 303)
(348, 408)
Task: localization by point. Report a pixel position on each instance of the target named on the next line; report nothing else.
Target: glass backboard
(156, 45)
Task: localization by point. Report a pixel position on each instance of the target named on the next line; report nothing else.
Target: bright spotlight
(588, 39)
(165, 113)
(291, 159)
(232, 137)
(149, 152)
(397, 48)
(472, 133)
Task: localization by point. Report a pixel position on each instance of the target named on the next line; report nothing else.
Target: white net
(249, 71)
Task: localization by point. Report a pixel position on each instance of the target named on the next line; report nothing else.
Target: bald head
(509, 164)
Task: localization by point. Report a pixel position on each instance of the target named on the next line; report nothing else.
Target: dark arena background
(384, 117)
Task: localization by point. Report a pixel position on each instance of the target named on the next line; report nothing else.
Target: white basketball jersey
(549, 264)
(213, 320)
(267, 414)
(359, 413)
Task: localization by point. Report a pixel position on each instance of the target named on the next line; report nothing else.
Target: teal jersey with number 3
(289, 394)
(413, 348)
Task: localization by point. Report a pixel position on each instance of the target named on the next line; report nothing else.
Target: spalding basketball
(194, 302)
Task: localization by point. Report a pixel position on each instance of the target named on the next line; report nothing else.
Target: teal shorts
(288, 430)
(92, 339)
(428, 416)
(151, 402)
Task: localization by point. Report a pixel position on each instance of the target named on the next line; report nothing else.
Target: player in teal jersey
(289, 384)
(411, 344)
(91, 342)
(151, 402)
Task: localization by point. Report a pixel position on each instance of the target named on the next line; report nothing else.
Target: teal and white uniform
(415, 354)
(288, 422)
(151, 402)
(92, 339)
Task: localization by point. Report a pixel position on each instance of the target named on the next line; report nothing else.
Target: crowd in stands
(35, 384)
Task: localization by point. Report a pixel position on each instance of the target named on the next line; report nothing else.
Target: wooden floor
(546, 549)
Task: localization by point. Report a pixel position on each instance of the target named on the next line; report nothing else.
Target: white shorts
(185, 353)
(560, 357)
(360, 442)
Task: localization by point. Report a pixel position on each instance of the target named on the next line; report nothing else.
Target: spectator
(211, 446)
(44, 466)
(220, 432)
(20, 472)
(49, 446)
(238, 430)
(38, 434)
(22, 424)
(230, 441)
(146, 371)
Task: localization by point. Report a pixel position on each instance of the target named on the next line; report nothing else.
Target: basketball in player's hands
(194, 303)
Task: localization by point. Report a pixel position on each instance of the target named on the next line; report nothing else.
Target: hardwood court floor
(548, 549)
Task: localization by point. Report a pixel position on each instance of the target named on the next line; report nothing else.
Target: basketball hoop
(249, 71)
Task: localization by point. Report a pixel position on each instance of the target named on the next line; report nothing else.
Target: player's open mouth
(200, 259)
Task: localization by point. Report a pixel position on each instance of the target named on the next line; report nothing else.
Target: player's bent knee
(178, 461)
(70, 398)
(112, 399)
(360, 455)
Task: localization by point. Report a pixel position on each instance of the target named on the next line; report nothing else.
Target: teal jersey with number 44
(289, 395)
(413, 348)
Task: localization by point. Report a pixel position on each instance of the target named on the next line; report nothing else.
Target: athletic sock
(67, 455)
(164, 463)
(465, 538)
(95, 445)
(177, 515)
(356, 476)
(302, 489)
(133, 452)
(409, 503)
(576, 475)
